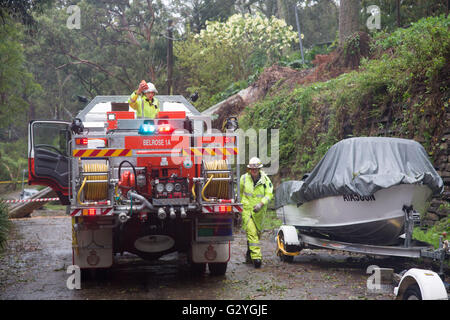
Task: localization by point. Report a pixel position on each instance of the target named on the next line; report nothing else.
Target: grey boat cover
(363, 166)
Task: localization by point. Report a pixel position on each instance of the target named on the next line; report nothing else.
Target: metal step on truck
(144, 186)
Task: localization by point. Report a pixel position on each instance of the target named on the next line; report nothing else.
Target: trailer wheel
(283, 257)
(217, 269)
(412, 293)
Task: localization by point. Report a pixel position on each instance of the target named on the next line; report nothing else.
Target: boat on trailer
(364, 197)
(362, 191)
(375, 219)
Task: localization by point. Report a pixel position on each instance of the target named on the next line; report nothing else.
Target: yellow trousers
(253, 236)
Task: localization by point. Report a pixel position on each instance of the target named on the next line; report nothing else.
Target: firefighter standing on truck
(256, 191)
(147, 101)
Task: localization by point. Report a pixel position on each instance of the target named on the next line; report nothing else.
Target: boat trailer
(414, 283)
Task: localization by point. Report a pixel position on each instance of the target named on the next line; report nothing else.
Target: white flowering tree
(220, 54)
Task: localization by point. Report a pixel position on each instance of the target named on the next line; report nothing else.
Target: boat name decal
(357, 197)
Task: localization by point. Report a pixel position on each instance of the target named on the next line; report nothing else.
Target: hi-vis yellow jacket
(151, 108)
(251, 195)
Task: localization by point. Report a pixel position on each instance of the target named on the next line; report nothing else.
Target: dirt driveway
(39, 252)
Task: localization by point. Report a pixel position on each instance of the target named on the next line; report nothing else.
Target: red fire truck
(144, 186)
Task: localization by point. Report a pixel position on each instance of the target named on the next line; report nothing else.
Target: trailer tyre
(217, 269)
(412, 293)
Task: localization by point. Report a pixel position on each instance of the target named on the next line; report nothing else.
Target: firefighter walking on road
(256, 191)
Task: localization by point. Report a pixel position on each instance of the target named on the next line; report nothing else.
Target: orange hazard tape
(95, 153)
(30, 200)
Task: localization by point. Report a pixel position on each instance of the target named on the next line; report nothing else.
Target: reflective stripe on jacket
(151, 108)
(252, 194)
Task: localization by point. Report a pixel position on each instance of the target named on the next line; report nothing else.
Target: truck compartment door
(48, 155)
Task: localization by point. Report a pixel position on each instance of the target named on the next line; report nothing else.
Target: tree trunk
(24, 209)
(282, 13)
(348, 19)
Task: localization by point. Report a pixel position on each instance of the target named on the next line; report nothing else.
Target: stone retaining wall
(440, 206)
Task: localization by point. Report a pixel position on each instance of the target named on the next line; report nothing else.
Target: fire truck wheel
(217, 269)
(198, 268)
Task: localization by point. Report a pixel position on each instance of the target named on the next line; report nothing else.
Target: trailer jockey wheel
(283, 257)
(412, 293)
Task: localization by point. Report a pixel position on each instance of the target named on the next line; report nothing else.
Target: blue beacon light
(147, 128)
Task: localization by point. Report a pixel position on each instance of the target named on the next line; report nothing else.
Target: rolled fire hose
(216, 189)
(97, 190)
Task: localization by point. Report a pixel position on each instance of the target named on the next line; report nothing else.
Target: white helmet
(254, 163)
(151, 88)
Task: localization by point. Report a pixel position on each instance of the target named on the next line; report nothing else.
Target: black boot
(248, 259)
(257, 263)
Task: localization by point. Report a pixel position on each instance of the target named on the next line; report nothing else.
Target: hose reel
(216, 189)
(93, 191)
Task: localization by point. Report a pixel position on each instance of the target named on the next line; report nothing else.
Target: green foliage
(5, 224)
(271, 220)
(22, 10)
(13, 159)
(200, 11)
(421, 50)
(294, 59)
(227, 52)
(312, 118)
(432, 235)
(410, 11)
(119, 43)
(15, 81)
(204, 74)
(318, 19)
(232, 89)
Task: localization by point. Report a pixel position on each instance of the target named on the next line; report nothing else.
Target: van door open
(48, 156)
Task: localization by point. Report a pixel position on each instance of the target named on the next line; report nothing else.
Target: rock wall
(440, 206)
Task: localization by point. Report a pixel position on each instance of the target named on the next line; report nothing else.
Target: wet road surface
(39, 251)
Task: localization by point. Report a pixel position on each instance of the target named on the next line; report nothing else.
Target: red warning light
(81, 141)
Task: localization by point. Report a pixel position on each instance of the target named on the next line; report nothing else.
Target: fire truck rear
(144, 186)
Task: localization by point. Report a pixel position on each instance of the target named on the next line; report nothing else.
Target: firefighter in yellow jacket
(256, 191)
(144, 99)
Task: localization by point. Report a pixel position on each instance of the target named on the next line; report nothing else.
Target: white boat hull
(377, 219)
